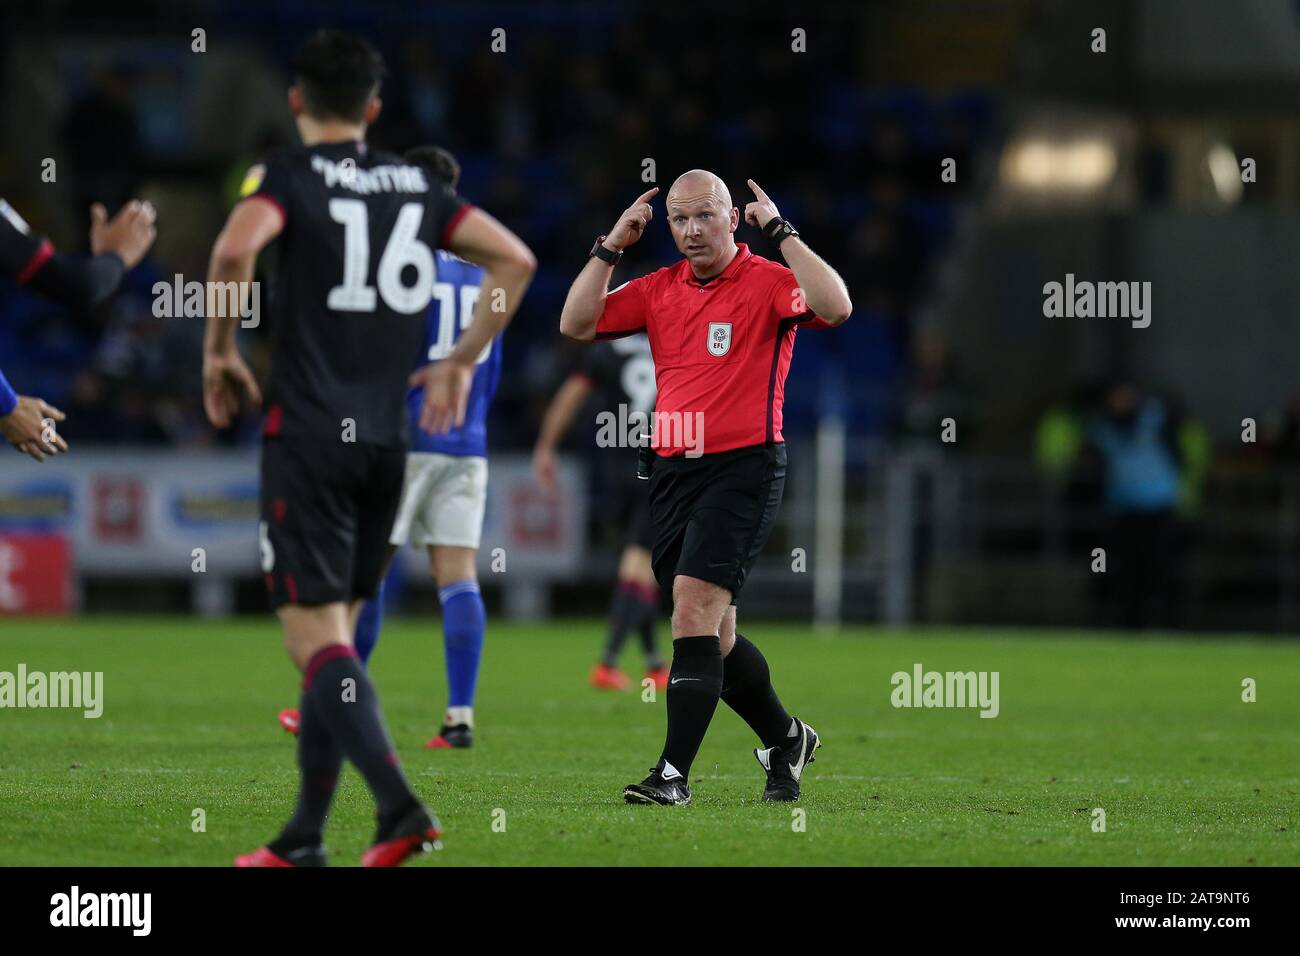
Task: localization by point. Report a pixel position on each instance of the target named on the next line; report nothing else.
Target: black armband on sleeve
(80, 281)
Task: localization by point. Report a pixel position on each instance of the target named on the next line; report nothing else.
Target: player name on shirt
(366, 182)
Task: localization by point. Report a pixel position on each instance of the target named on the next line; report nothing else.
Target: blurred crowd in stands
(553, 138)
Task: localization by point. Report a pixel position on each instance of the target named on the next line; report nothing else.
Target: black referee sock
(694, 684)
(319, 762)
(623, 613)
(747, 689)
(350, 712)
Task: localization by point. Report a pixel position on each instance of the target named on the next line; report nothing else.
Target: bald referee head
(703, 221)
(721, 324)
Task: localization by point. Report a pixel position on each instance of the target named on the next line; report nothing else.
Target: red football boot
(660, 676)
(291, 720)
(265, 856)
(417, 832)
(452, 737)
(604, 677)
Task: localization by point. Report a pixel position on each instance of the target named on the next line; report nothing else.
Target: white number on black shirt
(404, 249)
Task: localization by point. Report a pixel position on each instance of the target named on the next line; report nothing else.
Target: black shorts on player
(640, 529)
(712, 515)
(632, 506)
(327, 510)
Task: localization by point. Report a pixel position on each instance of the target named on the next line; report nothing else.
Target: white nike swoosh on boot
(797, 771)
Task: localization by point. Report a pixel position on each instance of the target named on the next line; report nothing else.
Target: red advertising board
(35, 574)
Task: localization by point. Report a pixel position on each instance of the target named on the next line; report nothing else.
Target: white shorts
(443, 499)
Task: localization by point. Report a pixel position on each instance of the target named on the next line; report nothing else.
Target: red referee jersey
(721, 349)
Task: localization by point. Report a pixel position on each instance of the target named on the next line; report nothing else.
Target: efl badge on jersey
(719, 338)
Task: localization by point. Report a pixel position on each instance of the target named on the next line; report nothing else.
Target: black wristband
(603, 254)
(778, 229)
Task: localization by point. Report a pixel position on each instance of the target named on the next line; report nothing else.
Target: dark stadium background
(1114, 166)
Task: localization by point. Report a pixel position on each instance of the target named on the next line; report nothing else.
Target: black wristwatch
(779, 229)
(603, 254)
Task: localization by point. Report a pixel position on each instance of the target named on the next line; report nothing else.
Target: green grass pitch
(1151, 730)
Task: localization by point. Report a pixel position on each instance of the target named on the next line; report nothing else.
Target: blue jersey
(451, 310)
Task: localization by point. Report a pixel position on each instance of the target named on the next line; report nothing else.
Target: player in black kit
(623, 372)
(351, 233)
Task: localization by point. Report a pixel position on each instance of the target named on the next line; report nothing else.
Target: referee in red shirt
(721, 324)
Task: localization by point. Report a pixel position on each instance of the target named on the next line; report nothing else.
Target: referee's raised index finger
(757, 190)
(646, 196)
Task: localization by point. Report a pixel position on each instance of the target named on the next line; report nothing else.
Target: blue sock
(369, 622)
(463, 620)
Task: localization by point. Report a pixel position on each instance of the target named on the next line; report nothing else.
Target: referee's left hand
(446, 394)
(763, 210)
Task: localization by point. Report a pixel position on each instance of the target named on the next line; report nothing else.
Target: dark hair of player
(437, 160)
(338, 73)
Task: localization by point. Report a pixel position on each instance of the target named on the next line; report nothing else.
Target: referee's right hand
(632, 222)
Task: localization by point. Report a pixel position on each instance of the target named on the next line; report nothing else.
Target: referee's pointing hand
(632, 222)
(763, 210)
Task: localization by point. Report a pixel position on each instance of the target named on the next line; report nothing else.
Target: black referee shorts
(712, 514)
(327, 511)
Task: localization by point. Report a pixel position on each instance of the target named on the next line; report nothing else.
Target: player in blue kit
(445, 489)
